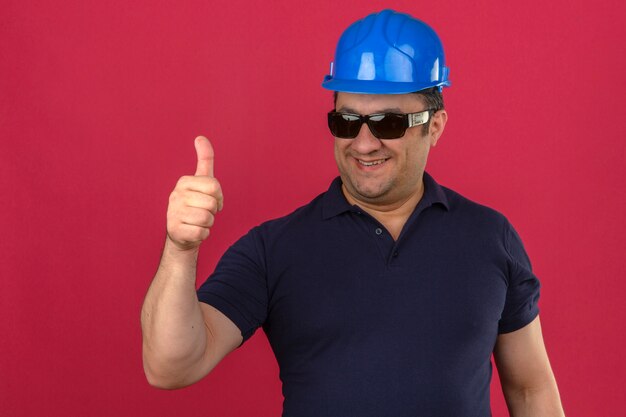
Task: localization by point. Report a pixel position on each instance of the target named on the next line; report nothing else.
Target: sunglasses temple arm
(416, 119)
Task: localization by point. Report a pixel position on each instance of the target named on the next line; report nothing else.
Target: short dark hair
(432, 98)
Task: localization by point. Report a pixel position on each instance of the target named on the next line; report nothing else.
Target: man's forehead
(373, 103)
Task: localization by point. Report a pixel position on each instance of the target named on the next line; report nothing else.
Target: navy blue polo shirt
(362, 325)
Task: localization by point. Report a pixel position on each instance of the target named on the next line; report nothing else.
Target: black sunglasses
(382, 125)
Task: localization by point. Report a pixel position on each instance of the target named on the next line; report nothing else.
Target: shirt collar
(335, 203)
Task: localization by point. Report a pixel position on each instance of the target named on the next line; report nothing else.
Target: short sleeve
(522, 296)
(238, 286)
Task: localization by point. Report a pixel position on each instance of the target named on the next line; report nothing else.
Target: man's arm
(527, 380)
(183, 339)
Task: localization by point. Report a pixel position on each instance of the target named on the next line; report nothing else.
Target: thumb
(206, 157)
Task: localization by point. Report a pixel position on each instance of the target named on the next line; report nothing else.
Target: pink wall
(99, 105)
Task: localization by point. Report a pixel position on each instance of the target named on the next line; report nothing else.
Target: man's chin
(368, 190)
(371, 192)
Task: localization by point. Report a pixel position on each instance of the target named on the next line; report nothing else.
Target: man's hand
(195, 201)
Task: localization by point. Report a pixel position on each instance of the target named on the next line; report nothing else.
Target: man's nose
(365, 142)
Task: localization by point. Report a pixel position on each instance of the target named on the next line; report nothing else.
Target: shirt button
(379, 231)
(395, 254)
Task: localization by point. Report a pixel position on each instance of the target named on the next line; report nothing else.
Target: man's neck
(393, 215)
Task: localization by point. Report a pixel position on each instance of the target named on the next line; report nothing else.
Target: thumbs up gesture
(195, 201)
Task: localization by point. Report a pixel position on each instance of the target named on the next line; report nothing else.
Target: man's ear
(437, 124)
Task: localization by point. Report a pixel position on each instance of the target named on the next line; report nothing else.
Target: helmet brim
(378, 87)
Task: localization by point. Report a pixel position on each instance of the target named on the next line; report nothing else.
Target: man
(384, 296)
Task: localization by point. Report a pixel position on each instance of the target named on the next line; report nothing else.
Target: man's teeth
(372, 163)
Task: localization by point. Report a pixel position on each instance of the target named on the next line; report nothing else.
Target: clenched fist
(195, 201)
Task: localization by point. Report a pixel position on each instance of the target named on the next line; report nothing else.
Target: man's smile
(371, 163)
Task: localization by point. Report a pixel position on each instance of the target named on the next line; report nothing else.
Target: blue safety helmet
(388, 53)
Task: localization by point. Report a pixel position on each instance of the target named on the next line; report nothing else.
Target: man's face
(384, 172)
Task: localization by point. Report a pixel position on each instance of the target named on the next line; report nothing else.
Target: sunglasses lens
(382, 126)
(388, 126)
(345, 126)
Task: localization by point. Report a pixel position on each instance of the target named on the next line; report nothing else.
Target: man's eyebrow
(346, 109)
